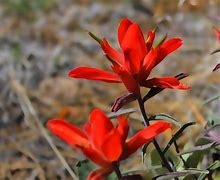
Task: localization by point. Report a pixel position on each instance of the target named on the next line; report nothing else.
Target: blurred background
(41, 40)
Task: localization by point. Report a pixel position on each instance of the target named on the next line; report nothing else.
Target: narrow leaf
(155, 90)
(190, 171)
(216, 97)
(113, 115)
(215, 51)
(194, 158)
(161, 41)
(95, 37)
(212, 128)
(200, 148)
(217, 66)
(166, 118)
(212, 167)
(177, 135)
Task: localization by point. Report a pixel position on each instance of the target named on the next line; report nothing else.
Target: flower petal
(94, 74)
(112, 146)
(168, 47)
(156, 55)
(122, 29)
(150, 39)
(123, 127)
(134, 48)
(155, 90)
(165, 82)
(148, 63)
(112, 54)
(96, 157)
(100, 128)
(99, 174)
(127, 79)
(144, 136)
(217, 33)
(68, 132)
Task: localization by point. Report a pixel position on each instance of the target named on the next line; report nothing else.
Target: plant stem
(147, 123)
(209, 176)
(181, 157)
(117, 170)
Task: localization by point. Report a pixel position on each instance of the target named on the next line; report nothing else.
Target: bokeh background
(41, 40)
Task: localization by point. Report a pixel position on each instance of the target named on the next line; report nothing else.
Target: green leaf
(215, 51)
(137, 173)
(166, 118)
(214, 165)
(83, 168)
(161, 41)
(200, 148)
(133, 171)
(216, 97)
(95, 37)
(144, 149)
(190, 171)
(156, 161)
(177, 135)
(155, 158)
(113, 115)
(211, 167)
(197, 156)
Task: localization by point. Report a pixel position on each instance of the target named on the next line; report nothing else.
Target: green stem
(147, 123)
(117, 170)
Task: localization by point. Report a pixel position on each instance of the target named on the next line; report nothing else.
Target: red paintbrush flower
(217, 33)
(133, 64)
(103, 143)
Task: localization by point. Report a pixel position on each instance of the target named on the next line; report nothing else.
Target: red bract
(217, 33)
(133, 64)
(103, 143)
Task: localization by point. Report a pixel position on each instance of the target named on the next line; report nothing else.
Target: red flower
(217, 33)
(134, 63)
(103, 143)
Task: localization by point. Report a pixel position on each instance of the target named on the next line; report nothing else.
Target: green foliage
(191, 171)
(197, 156)
(113, 115)
(177, 135)
(166, 118)
(83, 168)
(156, 161)
(212, 167)
(26, 8)
(16, 50)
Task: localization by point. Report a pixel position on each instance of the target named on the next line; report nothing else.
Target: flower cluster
(103, 143)
(99, 140)
(134, 63)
